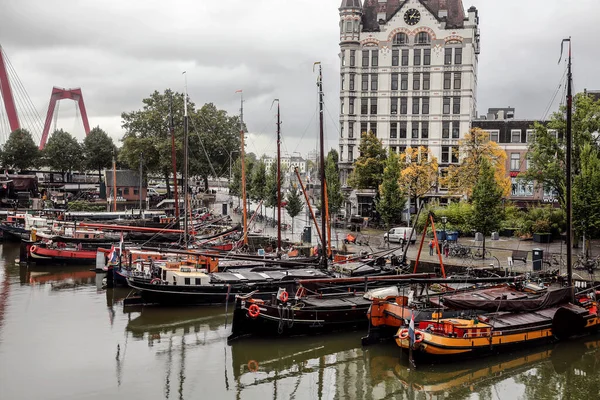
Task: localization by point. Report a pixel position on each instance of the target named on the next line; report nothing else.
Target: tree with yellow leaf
(419, 173)
(476, 145)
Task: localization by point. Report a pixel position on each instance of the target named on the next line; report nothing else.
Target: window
(455, 129)
(415, 130)
(395, 57)
(400, 39)
(457, 81)
(373, 127)
(458, 55)
(136, 191)
(521, 188)
(446, 109)
(350, 153)
(343, 58)
(456, 105)
(365, 58)
(394, 105)
(515, 161)
(364, 106)
(401, 149)
(126, 191)
(445, 130)
(374, 82)
(553, 133)
(393, 149)
(426, 56)
(403, 130)
(494, 135)
(198, 281)
(365, 82)
(417, 57)
(186, 281)
(343, 80)
(404, 82)
(515, 136)
(447, 56)
(425, 130)
(351, 106)
(373, 106)
(349, 26)
(342, 106)
(374, 58)
(424, 152)
(394, 81)
(415, 105)
(403, 105)
(445, 154)
(363, 127)
(341, 129)
(393, 130)
(351, 83)
(423, 38)
(352, 58)
(351, 129)
(405, 57)
(530, 135)
(341, 153)
(426, 81)
(425, 107)
(416, 81)
(447, 80)
(454, 154)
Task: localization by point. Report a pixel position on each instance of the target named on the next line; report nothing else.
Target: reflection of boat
(42, 274)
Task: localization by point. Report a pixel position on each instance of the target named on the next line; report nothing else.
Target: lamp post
(444, 220)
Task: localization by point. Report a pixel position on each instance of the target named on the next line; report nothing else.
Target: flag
(239, 91)
(121, 244)
(411, 328)
(112, 256)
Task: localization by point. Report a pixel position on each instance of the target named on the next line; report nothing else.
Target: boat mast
(243, 161)
(569, 139)
(278, 178)
(114, 183)
(140, 191)
(174, 159)
(185, 164)
(322, 168)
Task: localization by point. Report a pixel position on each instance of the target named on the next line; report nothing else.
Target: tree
(419, 173)
(20, 151)
(98, 150)
(335, 198)
(487, 213)
(270, 194)
(472, 150)
(63, 152)
(258, 179)
(368, 167)
(586, 194)
(294, 204)
(235, 188)
(391, 201)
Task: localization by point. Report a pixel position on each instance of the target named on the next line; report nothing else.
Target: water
(63, 337)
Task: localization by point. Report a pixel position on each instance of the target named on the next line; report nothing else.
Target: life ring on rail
(419, 337)
(254, 311)
(403, 334)
(155, 281)
(252, 364)
(284, 296)
(32, 248)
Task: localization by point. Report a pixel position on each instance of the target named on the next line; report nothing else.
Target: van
(399, 235)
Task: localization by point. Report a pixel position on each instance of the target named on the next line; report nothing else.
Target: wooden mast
(185, 165)
(114, 184)
(322, 169)
(278, 179)
(174, 159)
(569, 139)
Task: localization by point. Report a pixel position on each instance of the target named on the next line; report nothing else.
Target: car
(400, 234)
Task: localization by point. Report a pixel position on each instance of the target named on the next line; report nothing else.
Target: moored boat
(60, 253)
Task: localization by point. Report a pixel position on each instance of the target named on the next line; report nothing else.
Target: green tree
(235, 188)
(586, 194)
(487, 212)
(391, 201)
(270, 195)
(294, 204)
(63, 152)
(259, 177)
(20, 151)
(335, 198)
(98, 150)
(368, 167)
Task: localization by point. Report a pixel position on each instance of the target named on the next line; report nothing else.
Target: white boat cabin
(184, 276)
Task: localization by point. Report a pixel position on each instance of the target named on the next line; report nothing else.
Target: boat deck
(348, 301)
(279, 275)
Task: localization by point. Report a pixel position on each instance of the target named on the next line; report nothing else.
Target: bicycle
(479, 254)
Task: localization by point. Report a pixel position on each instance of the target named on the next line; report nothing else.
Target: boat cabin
(184, 276)
(457, 328)
(88, 234)
(17, 219)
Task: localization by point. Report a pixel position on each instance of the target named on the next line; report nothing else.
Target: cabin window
(198, 281)
(186, 281)
(126, 191)
(136, 191)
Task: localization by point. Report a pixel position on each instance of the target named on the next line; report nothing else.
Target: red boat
(59, 253)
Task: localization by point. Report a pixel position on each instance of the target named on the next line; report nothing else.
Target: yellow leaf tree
(476, 145)
(419, 173)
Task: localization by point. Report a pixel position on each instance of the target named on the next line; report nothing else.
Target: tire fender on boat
(284, 296)
(155, 281)
(254, 311)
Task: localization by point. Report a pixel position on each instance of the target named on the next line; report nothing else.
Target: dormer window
(423, 38)
(401, 39)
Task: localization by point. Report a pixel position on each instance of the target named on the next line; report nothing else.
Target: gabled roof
(371, 8)
(125, 178)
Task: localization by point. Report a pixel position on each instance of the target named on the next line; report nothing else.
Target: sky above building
(119, 52)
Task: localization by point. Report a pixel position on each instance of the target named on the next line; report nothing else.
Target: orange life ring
(284, 296)
(254, 311)
(32, 249)
(403, 333)
(252, 364)
(155, 281)
(419, 336)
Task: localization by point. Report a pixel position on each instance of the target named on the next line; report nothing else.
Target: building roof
(350, 4)
(125, 178)
(371, 8)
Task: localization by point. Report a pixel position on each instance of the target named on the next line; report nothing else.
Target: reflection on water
(60, 327)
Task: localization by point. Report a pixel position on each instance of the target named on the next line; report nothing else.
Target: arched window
(423, 38)
(400, 39)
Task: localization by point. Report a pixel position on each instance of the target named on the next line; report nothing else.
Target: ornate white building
(408, 74)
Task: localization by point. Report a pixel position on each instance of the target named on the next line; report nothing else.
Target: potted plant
(541, 231)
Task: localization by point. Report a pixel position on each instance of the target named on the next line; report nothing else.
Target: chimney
(473, 15)
(500, 114)
(443, 14)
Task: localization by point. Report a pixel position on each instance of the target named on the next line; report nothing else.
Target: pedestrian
(446, 248)
(431, 247)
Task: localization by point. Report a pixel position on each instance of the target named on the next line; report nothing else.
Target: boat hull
(42, 255)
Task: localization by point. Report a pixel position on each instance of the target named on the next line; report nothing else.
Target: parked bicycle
(480, 254)
(458, 250)
(585, 263)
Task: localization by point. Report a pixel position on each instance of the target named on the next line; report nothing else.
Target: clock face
(412, 17)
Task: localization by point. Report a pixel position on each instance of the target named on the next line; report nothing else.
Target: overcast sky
(120, 51)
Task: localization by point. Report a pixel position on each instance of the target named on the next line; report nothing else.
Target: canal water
(62, 336)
